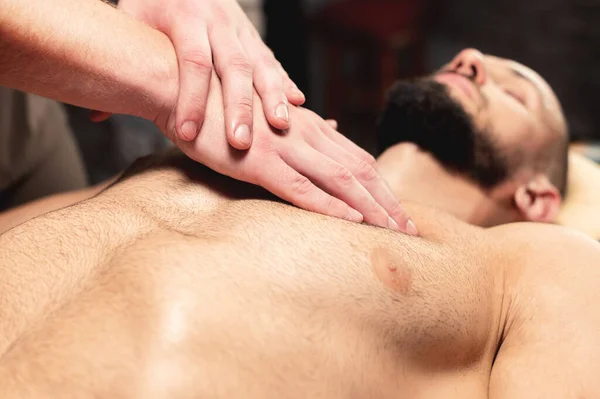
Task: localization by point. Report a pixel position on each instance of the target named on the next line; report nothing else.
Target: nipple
(390, 269)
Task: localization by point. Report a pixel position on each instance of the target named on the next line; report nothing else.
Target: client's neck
(416, 176)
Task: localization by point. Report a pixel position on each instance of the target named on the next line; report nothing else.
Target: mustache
(471, 78)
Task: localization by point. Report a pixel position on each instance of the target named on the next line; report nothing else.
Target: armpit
(550, 348)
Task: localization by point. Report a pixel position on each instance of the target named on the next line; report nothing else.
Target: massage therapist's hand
(207, 31)
(310, 165)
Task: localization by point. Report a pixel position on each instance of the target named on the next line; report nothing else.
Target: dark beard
(423, 112)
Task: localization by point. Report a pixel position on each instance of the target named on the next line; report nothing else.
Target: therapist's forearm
(86, 53)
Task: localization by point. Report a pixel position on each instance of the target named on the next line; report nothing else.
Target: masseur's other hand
(311, 165)
(207, 31)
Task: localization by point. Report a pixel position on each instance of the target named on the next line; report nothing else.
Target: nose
(470, 62)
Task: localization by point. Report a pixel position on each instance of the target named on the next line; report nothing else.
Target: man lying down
(177, 282)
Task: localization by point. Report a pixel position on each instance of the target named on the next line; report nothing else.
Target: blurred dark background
(356, 46)
(344, 54)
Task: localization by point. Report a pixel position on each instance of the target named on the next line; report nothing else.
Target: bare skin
(179, 283)
(133, 69)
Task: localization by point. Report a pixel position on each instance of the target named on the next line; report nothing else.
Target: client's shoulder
(542, 240)
(542, 252)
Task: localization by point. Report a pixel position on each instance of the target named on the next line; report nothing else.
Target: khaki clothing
(38, 155)
(254, 11)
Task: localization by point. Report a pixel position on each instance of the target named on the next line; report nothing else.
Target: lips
(458, 81)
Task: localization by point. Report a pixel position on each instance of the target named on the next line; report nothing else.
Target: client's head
(488, 134)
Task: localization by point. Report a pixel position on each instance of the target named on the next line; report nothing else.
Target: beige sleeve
(254, 11)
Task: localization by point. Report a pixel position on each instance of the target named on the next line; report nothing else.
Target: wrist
(158, 84)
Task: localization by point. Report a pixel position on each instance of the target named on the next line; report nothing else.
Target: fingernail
(242, 134)
(281, 112)
(355, 216)
(189, 130)
(411, 229)
(392, 224)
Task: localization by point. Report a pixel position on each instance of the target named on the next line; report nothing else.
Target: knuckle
(221, 16)
(310, 114)
(240, 64)
(371, 204)
(301, 186)
(365, 171)
(275, 86)
(266, 54)
(334, 206)
(341, 174)
(315, 118)
(192, 108)
(376, 210)
(370, 159)
(270, 53)
(270, 64)
(244, 104)
(397, 210)
(269, 76)
(198, 60)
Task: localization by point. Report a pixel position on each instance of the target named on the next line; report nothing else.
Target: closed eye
(515, 96)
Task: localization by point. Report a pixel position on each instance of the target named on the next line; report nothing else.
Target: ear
(538, 200)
